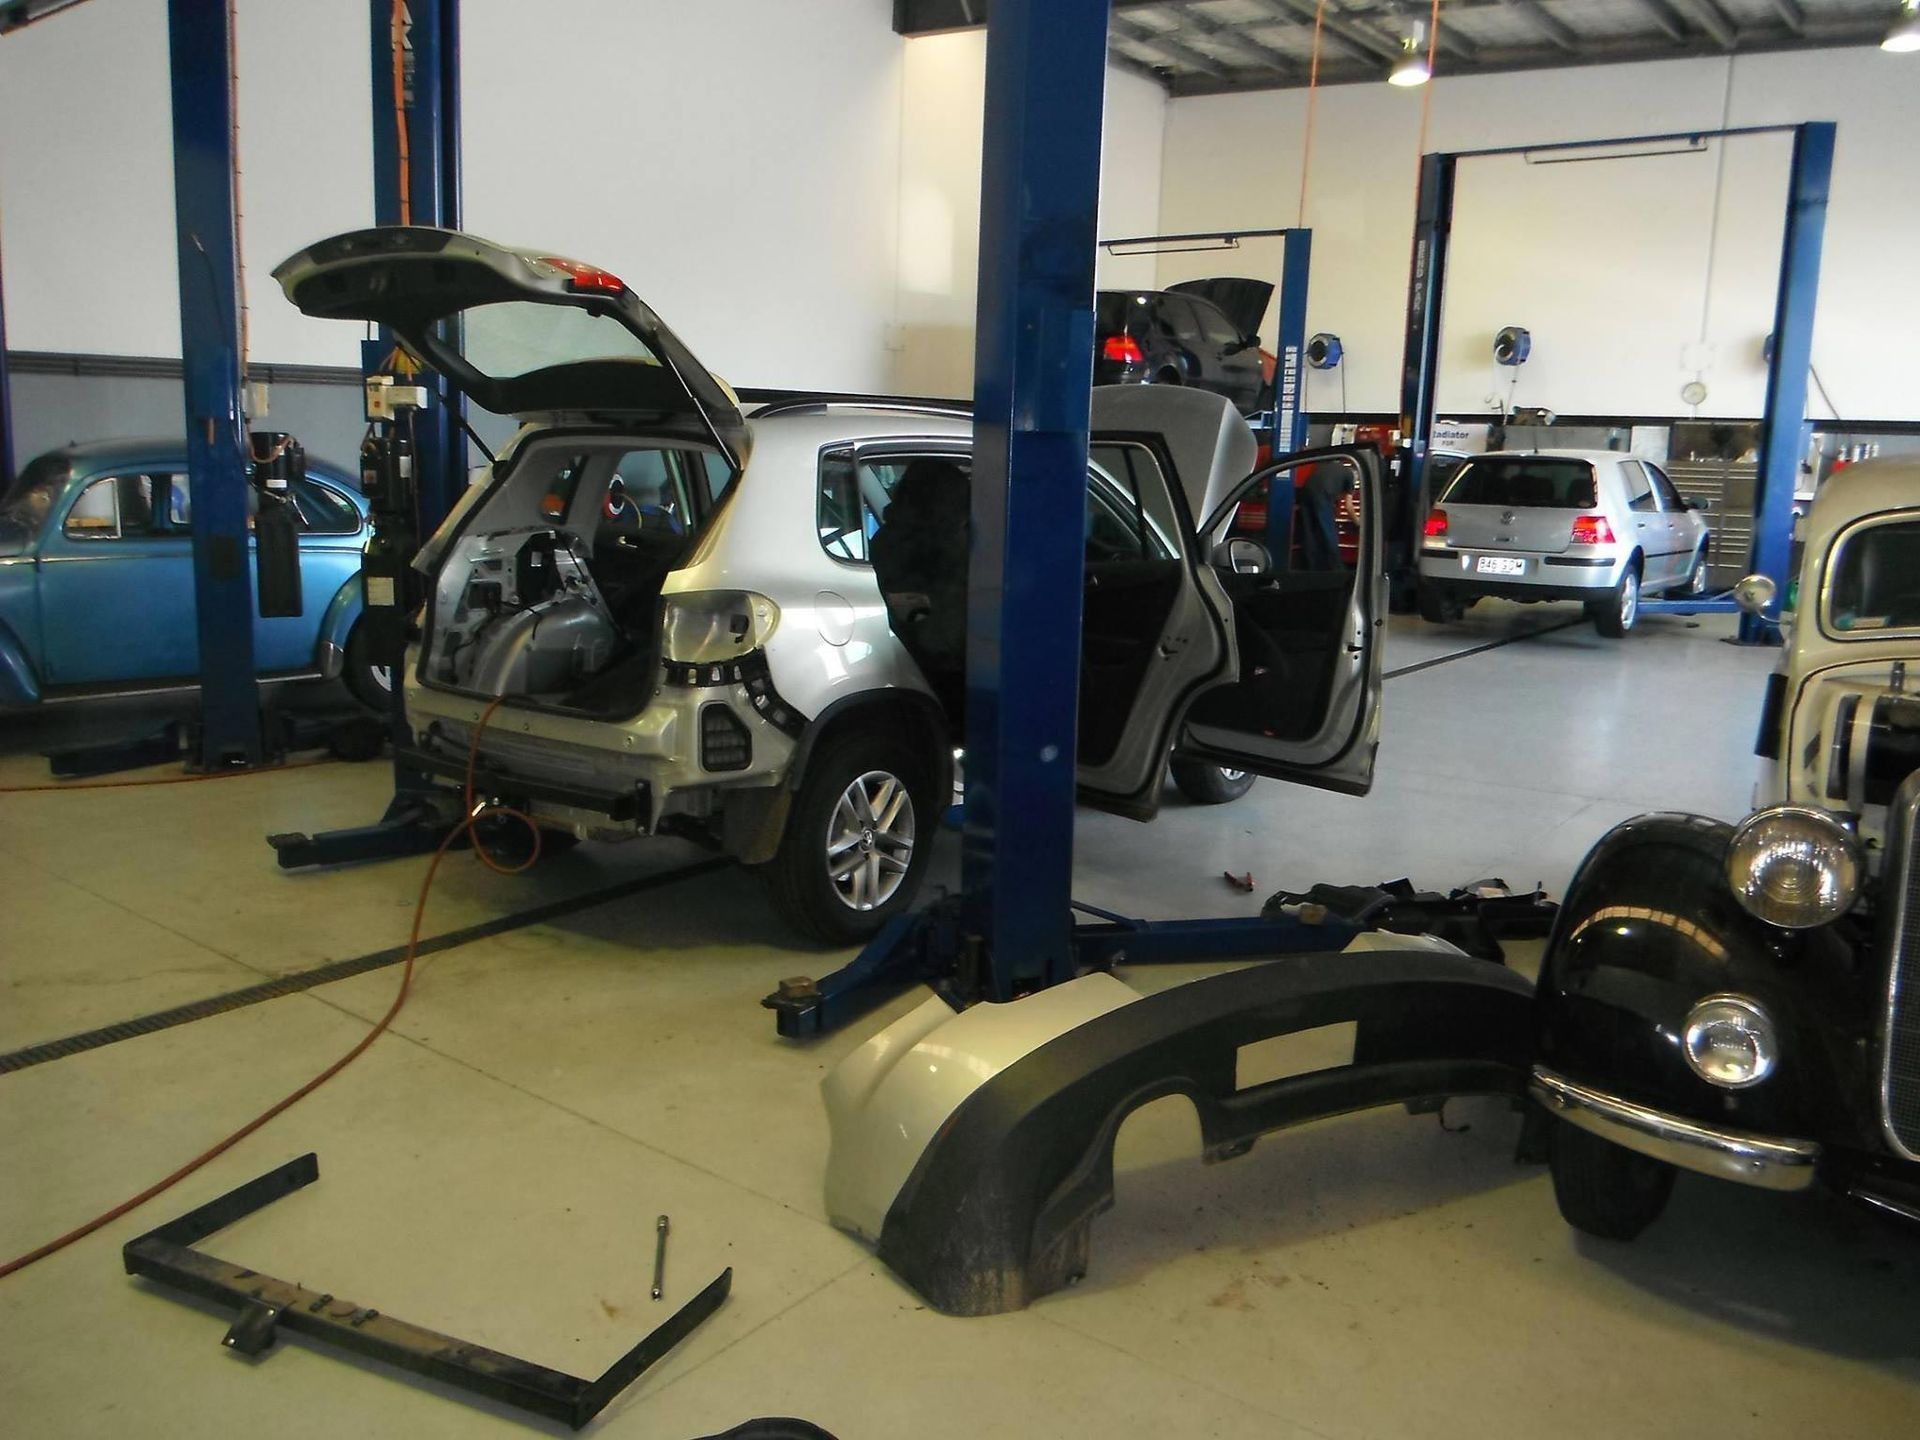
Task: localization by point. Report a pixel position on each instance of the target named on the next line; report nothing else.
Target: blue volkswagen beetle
(96, 578)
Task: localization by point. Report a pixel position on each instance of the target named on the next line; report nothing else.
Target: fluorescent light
(1411, 68)
(1904, 37)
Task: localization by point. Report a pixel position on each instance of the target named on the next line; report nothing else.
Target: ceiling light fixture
(1411, 68)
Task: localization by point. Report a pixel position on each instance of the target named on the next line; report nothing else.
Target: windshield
(31, 499)
(512, 338)
(1523, 481)
(1874, 583)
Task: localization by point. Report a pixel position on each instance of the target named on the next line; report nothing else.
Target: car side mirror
(1754, 594)
(1696, 502)
(1243, 557)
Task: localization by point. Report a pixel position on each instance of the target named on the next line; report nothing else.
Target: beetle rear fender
(19, 685)
(342, 614)
(1649, 928)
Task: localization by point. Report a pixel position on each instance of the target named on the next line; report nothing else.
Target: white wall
(1603, 262)
(941, 124)
(86, 172)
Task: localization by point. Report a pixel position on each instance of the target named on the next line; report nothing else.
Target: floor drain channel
(342, 969)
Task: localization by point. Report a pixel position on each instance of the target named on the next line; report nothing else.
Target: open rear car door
(521, 333)
(1296, 552)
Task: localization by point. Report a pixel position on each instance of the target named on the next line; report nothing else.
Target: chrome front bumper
(1724, 1154)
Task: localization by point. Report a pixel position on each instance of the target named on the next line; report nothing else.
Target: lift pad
(975, 1149)
(264, 1305)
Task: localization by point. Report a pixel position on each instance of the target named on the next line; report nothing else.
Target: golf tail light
(1436, 523)
(1123, 349)
(1794, 866)
(1730, 1041)
(1592, 530)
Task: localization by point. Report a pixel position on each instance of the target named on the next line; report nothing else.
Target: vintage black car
(1744, 1001)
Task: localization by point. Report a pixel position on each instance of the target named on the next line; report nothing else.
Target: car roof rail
(794, 402)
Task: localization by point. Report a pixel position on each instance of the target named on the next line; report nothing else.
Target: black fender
(999, 1208)
(1648, 929)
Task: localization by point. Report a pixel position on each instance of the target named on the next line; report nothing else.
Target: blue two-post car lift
(1783, 429)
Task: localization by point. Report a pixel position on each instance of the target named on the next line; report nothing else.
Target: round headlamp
(1730, 1041)
(1794, 866)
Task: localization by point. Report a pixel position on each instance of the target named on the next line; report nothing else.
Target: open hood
(1241, 300)
(520, 332)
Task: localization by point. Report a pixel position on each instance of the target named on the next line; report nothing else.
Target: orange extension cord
(473, 814)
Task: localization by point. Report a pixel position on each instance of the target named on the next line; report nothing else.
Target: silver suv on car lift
(749, 627)
(1589, 525)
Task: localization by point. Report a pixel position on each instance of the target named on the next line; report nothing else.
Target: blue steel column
(1426, 286)
(1783, 431)
(1033, 371)
(431, 100)
(1289, 414)
(198, 41)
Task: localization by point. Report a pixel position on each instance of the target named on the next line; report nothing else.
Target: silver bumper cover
(1724, 1154)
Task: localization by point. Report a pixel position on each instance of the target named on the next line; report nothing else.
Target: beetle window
(1874, 582)
(96, 514)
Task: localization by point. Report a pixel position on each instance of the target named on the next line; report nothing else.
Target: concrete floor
(493, 1167)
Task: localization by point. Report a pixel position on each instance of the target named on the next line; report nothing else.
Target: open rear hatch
(545, 586)
(520, 332)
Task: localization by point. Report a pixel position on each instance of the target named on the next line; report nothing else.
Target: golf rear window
(1113, 309)
(1530, 481)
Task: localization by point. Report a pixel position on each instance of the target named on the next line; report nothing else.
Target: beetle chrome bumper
(1723, 1154)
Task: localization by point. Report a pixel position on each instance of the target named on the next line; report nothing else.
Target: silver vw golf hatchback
(746, 623)
(1589, 525)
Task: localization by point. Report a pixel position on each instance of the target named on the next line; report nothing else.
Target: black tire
(1603, 1189)
(1614, 616)
(370, 684)
(1697, 577)
(1439, 609)
(806, 894)
(1206, 784)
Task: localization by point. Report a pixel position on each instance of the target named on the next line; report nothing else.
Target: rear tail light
(590, 279)
(1592, 530)
(1123, 349)
(1436, 523)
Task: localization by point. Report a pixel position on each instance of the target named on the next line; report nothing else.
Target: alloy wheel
(870, 839)
(1629, 599)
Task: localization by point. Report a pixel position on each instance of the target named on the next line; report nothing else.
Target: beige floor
(493, 1168)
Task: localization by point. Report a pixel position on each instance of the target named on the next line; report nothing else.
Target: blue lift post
(429, 39)
(199, 44)
(1040, 190)
(426, 112)
(1783, 424)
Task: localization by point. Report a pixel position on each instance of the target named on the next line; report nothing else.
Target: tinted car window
(1119, 526)
(1174, 316)
(1639, 487)
(324, 510)
(1663, 487)
(1875, 579)
(1214, 325)
(1515, 481)
(1115, 310)
(854, 497)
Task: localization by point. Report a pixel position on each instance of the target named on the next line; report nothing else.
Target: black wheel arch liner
(872, 705)
(999, 1209)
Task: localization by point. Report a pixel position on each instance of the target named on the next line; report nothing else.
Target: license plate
(1500, 565)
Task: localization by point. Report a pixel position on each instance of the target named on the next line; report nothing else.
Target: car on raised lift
(1743, 1001)
(747, 623)
(96, 578)
(1204, 333)
(1594, 526)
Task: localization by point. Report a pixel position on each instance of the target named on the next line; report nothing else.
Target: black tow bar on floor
(265, 1305)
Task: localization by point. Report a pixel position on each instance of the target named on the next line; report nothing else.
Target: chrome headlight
(1794, 866)
(1730, 1041)
(702, 627)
